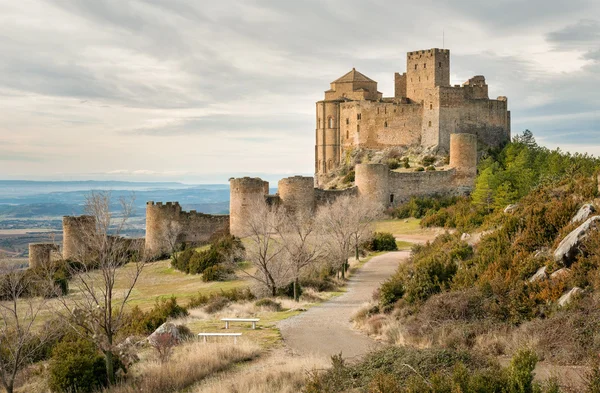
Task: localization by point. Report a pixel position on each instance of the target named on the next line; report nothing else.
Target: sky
(199, 91)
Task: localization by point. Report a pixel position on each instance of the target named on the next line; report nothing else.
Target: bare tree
(298, 232)
(362, 218)
(344, 224)
(265, 250)
(19, 342)
(99, 308)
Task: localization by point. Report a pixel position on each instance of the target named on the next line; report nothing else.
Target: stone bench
(234, 335)
(227, 320)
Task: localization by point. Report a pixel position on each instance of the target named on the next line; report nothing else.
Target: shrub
(147, 322)
(428, 160)
(234, 295)
(216, 304)
(382, 241)
(215, 273)
(419, 169)
(225, 249)
(393, 163)
(268, 304)
(350, 176)
(391, 291)
(288, 290)
(76, 366)
(319, 284)
(406, 163)
(430, 168)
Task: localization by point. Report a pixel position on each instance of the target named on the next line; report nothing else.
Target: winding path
(326, 330)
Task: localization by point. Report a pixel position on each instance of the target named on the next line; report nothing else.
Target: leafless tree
(298, 233)
(343, 224)
(19, 342)
(173, 230)
(362, 218)
(265, 249)
(98, 310)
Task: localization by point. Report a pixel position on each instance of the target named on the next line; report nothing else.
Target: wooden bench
(253, 320)
(234, 335)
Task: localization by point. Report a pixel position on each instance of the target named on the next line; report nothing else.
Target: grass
(189, 364)
(403, 245)
(409, 226)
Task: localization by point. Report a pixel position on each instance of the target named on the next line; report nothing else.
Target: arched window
(330, 122)
(415, 66)
(347, 134)
(385, 124)
(424, 65)
(391, 198)
(429, 123)
(440, 64)
(430, 106)
(347, 121)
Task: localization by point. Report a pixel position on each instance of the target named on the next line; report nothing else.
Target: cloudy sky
(201, 90)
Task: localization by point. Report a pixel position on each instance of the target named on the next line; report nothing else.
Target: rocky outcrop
(560, 273)
(540, 275)
(568, 248)
(584, 213)
(568, 296)
(510, 208)
(166, 329)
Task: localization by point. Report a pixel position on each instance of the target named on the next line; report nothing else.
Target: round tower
(40, 253)
(77, 232)
(463, 158)
(372, 181)
(243, 192)
(162, 227)
(297, 193)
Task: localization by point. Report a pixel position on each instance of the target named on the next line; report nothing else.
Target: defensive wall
(373, 181)
(168, 225)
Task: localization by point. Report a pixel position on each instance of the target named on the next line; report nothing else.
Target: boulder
(584, 213)
(510, 208)
(166, 328)
(568, 296)
(465, 237)
(560, 273)
(568, 248)
(540, 275)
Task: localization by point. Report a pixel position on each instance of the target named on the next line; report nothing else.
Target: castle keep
(424, 111)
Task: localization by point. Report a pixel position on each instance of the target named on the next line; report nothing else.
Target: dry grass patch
(278, 374)
(189, 364)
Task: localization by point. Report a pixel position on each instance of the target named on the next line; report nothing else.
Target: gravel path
(326, 330)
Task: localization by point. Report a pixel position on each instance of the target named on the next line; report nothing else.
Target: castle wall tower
(77, 232)
(372, 181)
(463, 157)
(161, 225)
(297, 193)
(327, 149)
(243, 193)
(40, 254)
(426, 69)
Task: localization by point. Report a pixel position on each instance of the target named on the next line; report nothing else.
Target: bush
(268, 304)
(419, 207)
(216, 304)
(430, 168)
(234, 295)
(382, 241)
(393, 163)
(288, 290)
(390, 292)
(406, 163)
(226, 249)
(419, 169)
(215, 273)
(350, 176)
(428, 160)
(147, 322)
(77, 367)
(319, 284)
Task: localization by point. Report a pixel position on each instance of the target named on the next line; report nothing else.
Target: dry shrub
(374, 324)
(280, 374)
(190, 363)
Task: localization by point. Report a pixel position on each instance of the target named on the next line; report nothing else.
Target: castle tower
(463, 158)
(297, 193)
(77, 233)
(40, 254)
(426, 69)
(372, 181)
(351, 86)
(162, 227)
(243, 193)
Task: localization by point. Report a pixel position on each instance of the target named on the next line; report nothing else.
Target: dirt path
(326, 329)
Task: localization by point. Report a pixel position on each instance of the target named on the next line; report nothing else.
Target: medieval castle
(426, 111)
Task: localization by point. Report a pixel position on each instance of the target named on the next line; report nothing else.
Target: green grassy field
(409, 226)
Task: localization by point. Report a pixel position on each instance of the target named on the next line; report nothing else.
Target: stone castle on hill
(425, 112)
